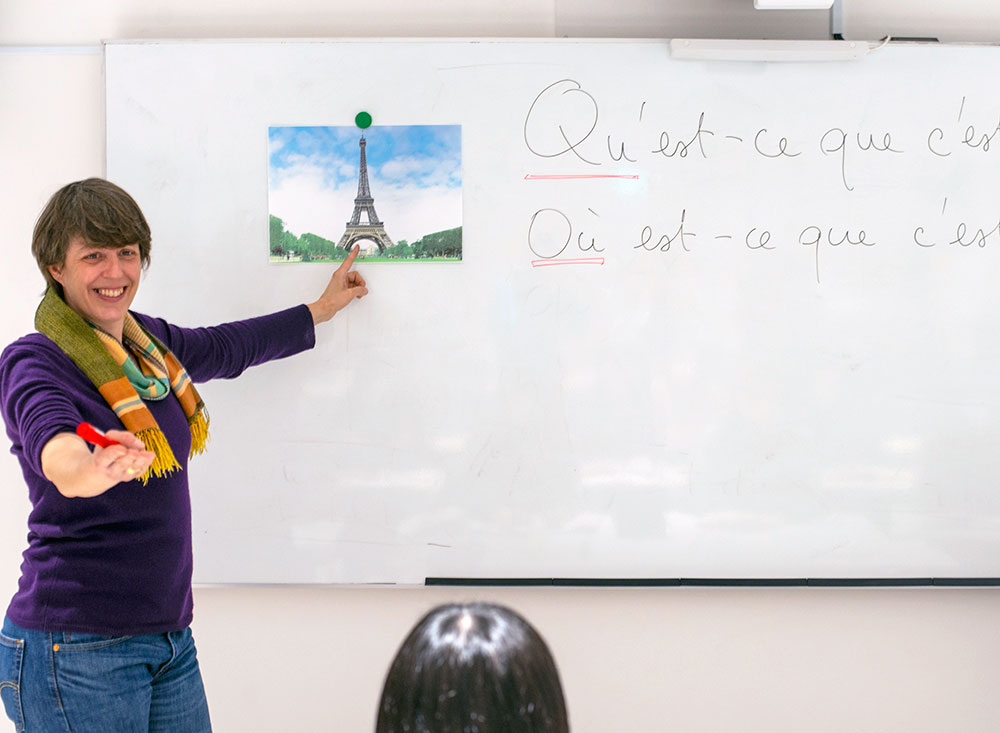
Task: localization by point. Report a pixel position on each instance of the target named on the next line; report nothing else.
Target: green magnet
(363, 120)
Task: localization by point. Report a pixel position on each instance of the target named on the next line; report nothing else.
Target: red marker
(92, 435)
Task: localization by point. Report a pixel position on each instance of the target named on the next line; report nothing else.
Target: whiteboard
(713, 319)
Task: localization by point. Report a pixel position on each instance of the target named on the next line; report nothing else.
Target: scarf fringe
(165, 462)
(198, 423)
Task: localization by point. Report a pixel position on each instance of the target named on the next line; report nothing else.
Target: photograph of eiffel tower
(372, 229)
(322, 184)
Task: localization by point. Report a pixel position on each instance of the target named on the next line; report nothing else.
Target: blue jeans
(88, 683)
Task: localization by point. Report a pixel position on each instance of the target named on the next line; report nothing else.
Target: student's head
(94, 212)
(472, 668)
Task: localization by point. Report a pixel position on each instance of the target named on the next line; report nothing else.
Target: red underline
(573, 176)
(583, 261)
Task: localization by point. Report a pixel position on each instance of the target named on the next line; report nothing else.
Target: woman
(96, 638)
(476, 667)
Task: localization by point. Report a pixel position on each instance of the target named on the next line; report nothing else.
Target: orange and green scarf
(122, 382)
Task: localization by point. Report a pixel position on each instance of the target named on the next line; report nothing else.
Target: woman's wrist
(319, 312)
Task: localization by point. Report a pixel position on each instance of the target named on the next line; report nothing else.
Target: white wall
(312, 659)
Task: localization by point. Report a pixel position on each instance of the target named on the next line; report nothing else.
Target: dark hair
(100, 212)
(474, 667)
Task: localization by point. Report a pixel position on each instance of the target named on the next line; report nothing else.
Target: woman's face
(99, 283)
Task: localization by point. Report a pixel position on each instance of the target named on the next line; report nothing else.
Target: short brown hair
(100, 212)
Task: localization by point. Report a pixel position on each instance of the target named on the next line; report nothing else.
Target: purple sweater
(118, 563)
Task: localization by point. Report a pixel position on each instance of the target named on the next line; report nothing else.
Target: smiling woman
(99, 283)
(107, 570)
(93, 212)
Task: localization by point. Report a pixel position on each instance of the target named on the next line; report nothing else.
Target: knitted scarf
(108, 364)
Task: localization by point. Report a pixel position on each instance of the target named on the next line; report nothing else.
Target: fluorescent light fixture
(710, 49)
(792, 4)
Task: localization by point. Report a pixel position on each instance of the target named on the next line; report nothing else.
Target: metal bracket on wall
(837, 20)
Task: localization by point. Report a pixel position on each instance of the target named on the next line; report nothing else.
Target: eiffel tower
(374, 229)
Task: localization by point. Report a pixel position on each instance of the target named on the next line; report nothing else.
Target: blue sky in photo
(431, 144)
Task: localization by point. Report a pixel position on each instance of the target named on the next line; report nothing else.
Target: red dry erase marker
(92, 435)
